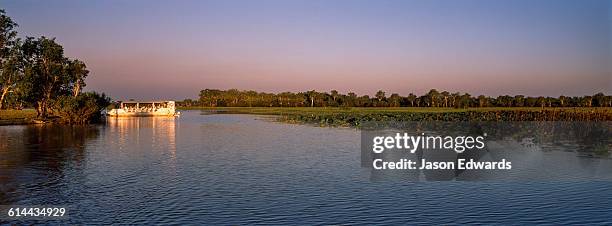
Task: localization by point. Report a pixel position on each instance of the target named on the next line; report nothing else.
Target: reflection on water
(239, 169)
(38, 155)
(158, 132)
(538, 151)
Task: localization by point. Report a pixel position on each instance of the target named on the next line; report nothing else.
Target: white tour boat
(144, 109)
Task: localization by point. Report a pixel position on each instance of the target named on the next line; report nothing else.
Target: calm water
(242, 169)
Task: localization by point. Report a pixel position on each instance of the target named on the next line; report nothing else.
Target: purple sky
(173, 49)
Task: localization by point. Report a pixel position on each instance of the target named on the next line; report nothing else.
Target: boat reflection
(152, 133)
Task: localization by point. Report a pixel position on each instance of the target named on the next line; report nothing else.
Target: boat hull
(143, 114)
(158, 113)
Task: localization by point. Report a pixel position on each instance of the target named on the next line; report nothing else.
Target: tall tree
(432, 97)
(45, 71)
(519, 101)
(482, 101)
(77, 70)
(9, 55)
(380, 95)
(12, 72)
(351, 99)
(445, 96)
(312, 96)
(562, 101)
(411, 98)
(394, 100)
(334, 94)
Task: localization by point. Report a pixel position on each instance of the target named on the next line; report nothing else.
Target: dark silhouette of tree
(395, 100)
(380, 95)
(313, 98)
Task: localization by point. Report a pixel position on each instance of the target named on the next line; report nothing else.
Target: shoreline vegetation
(350, 110)
(355, 117)
(17, 117)
(35, 73)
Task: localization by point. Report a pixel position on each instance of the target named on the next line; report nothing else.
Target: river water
(244, 169)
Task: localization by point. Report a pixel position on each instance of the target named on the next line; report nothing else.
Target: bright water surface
(244, 169)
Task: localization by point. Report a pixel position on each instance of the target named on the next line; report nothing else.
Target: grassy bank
(17, 117)
(356, 116)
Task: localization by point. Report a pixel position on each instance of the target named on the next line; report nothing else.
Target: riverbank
(17, 117)
(354, 117)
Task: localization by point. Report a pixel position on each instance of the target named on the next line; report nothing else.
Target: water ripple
(233, 169)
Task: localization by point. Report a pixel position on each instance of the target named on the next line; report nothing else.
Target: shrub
(82, 109)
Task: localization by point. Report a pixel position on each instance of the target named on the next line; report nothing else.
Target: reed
(354, 117)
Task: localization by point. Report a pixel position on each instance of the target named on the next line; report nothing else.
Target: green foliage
(44, 72)
(7, 32)
(16, 117)
(354, 117)
(9, 56)
(36, 73)
(82, 109)
(434, 99)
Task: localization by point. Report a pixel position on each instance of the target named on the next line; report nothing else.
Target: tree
(562, 101)
(12, 72)
(445, 95)
(364, 101)
(380, 95)
(519, 101)
(394, 100)
(10, 66)
(334, 94)
(587, 101)
(351, 100)
(411, 98)
(45, 71)
(541, 101)
(431, 98)
(210, 97)
(464, 100)
(80, 109)
(599, 100)
(531, 101)
(77, 70)
(482, 101)
(250, 98)
(312, 96)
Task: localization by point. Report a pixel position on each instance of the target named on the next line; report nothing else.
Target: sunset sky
(173, 49)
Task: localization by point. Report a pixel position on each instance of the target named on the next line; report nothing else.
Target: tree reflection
(40, 155)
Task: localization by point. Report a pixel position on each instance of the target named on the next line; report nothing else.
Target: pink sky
(147, 50)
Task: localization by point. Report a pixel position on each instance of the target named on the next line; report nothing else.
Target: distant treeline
(434, 98)
(35, 72)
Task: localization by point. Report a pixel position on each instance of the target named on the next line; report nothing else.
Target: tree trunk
(4, 92)
(77, 89)
(39, 109)
(43, 104)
